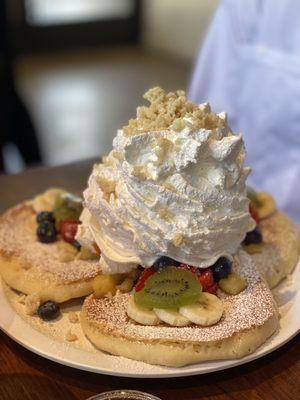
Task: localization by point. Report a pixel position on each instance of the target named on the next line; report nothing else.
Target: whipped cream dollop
(178, 192)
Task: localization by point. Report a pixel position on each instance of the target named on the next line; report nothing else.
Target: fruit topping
(254, 214)
(233, 284)
(48, 310)
(103, 285)
(45, 216)
(126, 286)
(86, 254)
(68, 230)
(221, 269)
(254, 248)
(76, 244)
(140, 314)
(212, 289)
(205, 277)
(254, 236)
(171, 316)
(67, 208)
(208, 310)
(143, 277)
(165, 261)
(263, 204)
(46, 232)
(169, 288)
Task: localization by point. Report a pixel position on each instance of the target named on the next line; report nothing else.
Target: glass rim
(125, 393)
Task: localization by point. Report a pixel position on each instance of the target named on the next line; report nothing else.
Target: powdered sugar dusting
(18, 238)
(251, 308)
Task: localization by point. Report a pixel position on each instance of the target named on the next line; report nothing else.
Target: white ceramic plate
(287, 294)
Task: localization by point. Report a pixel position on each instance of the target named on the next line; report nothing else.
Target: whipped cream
(178, 192)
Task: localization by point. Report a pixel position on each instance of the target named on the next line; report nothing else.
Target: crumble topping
(171, 111)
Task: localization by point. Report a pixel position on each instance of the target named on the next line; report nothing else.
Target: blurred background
(73, 71)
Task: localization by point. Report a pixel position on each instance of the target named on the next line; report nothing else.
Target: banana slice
(233, 284)
(171, 317)
(140, 314)
(207, 311)
(264, 205)
(46, 200)
(253, 248)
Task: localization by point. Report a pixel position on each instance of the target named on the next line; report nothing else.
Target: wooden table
(24, 375)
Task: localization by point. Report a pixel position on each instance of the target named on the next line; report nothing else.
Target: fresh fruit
(46, 200)
(45, 216)
(68, 230)
(87, 254)
(169, 288)
(253, 248)
(233, 284)
(134, 274)
(212, 289)
(165, 261)
(48, 310)
(263, 204)
(46, 232)
(254, 214)
(140, 314)
(76, 244)
(221, 268)
(205, 277)
(254, 236)
(104, 284)
(208, 310)
(67, 208)
(171, 316)
(126, 286)
(143, 277)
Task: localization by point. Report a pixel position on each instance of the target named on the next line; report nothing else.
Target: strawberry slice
(212, 289)
(205, 276)
(143, 277)
(68, 230)
(254, 214)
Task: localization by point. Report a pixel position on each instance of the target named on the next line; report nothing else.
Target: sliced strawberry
(212, 289)
(68, 230)
(143, 277)
(254, 214)
(205, 277)
(187, 267)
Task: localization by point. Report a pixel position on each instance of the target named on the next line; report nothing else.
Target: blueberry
(45, 216)
(221, 269)
(254, 236)
(165, 261)
(46, 232)
(76, 244)
(48, 310)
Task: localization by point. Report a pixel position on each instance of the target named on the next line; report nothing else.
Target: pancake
(248, 320)
(32, 267)
(278, 254)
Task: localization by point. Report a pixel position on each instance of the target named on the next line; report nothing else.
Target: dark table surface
(24, 375)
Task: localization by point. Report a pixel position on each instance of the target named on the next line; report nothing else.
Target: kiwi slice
(68, 207)
(169, 288)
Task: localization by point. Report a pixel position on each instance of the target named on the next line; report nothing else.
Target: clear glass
(124, 394)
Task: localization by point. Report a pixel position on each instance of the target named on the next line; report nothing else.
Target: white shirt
(249, 66)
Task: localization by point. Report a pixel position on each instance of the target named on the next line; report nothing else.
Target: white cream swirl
(180, 194)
